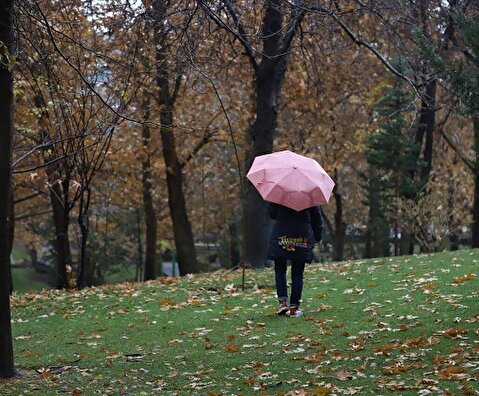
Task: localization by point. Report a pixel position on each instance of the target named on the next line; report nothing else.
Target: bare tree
(166, 97)
(279, 25)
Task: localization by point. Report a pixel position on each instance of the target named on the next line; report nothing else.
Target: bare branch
(78, 71)
(240, 35)
(363, 43)
(29, 215)
(297, 16)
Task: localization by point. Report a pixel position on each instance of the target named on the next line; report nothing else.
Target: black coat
(294, 233)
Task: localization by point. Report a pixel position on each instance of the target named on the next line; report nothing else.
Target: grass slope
(26, 279)
(403, 326)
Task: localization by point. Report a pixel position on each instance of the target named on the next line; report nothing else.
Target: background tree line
(135, 124)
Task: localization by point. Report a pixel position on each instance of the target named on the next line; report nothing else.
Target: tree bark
(7, 368)
(426, 129)
(234, 247)
(184, 244)
(339, 225)
(11, 237)
(148, 207)
(83, 222)
(61, 220)
(59, 182)
(183, 235)
(475, 208)
(139, 248)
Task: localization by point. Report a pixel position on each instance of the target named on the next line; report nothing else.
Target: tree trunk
(426, 127)
(404, 243)
(183, 235)
(139, 247)
(61, 220)
(453, 223)
(7, 368)
(184, 244)
(262, 133)
(268, 80)
(148, 207)
(475, 208)
(339, 225)
(11, 237)
(58, 185)
(234, 251)
(83, 222)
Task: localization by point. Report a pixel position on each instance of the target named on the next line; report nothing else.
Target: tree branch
(360, 42)
(296, 19)
(240, 35)
(78, 71)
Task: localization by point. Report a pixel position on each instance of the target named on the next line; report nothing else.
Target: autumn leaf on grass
(385, 350)
(462, 279)
(165, 302)
(362, 368)
(454, 332)
(413, 342)
(390, 370)
(344, 376)
(314, 357)
(47, 374)
(428, 288)
(231, 347)
(452, 373)
(167, 281)
(320, 390)
(113, 355)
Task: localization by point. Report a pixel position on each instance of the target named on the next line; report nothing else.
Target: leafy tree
(169, 81)
(457, 65)
(278, 25)
(392, 157)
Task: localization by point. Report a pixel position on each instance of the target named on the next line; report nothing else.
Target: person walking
(292, 238)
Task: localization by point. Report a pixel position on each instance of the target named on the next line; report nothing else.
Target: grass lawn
(26, 279)
(403, 326)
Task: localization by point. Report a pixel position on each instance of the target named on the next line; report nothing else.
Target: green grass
(404, 326)
(26, 279)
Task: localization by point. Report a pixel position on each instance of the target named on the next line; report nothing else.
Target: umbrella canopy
(291, 180)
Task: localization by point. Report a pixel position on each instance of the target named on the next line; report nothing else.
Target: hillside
(405, 325)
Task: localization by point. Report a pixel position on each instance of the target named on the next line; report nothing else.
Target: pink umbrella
(291, 180)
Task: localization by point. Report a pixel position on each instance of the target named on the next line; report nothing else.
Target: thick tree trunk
(368, 246)
(262, 133)
(268, 80)
(11, 236)
(148, 207)
(184, 244)
(475, 208)
(183, 235)
(7, 368)
(139, 247)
